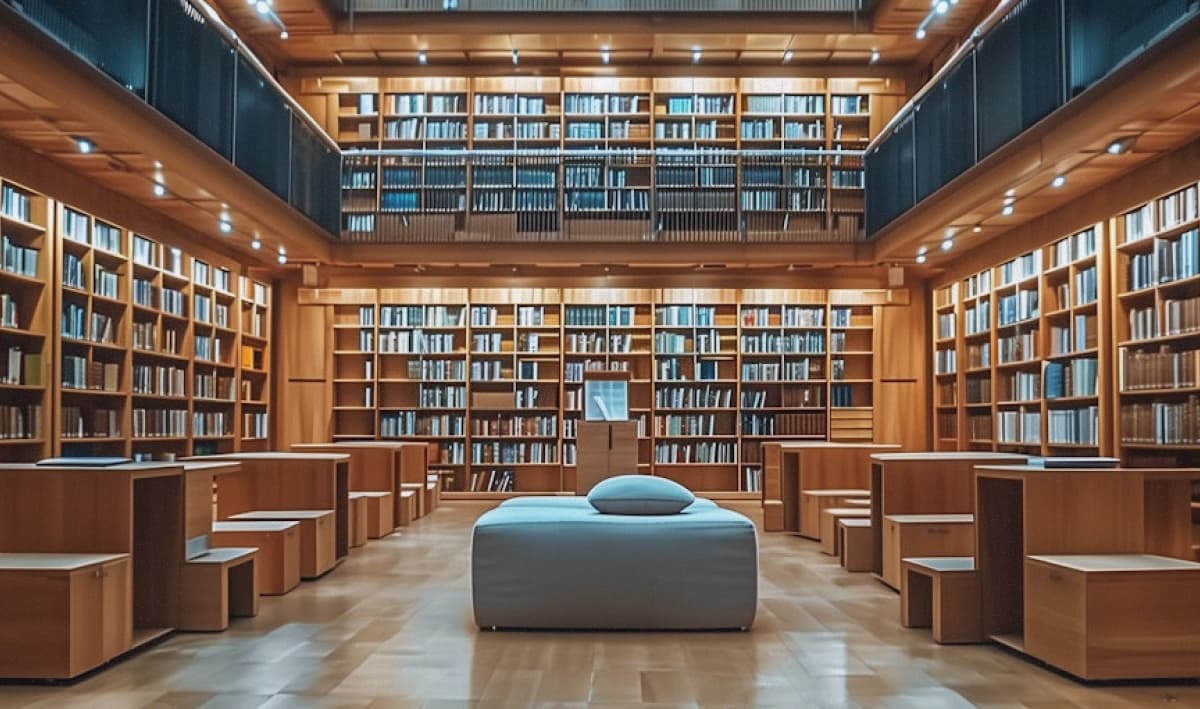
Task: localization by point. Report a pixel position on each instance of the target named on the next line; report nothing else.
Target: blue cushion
(640, 495)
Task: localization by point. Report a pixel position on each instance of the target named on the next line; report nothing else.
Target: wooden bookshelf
(1157, 330)
(27, 319)
(457, 367)
(697, 196)
(1017, 364)
(126, 328)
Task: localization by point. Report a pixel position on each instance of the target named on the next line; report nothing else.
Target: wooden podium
(605, 449)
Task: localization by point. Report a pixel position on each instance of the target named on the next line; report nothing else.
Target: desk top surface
(1116, 562)
(855, 521)
(1017, 471)
(301, 447)
(250, 525)
(943, 563)
(224, 555)
(216, 467)
(809, 445)
(283, 514)
(835, 493)
(151, 469)
(273, 455)
(54, 562)
(950, 456)
(932, 519)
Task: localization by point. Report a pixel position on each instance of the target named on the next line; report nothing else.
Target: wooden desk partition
(287, 481)
(1023, 510)
(925, 484)
(134, 509)
(199, 483)
(379, 466)
(792, 466)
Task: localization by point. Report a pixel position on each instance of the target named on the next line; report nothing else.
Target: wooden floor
(391, 627)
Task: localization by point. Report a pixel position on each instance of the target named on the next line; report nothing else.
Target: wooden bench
(924, 536)
(63, 614)
(380, 513)
(942, 592)
(418, 491)
(1114, 616)
(318, 551)
(217, 585)
(408, 508)
(830, 540)
(857, 550)
(278, 543)
(812, 502)
(857, 502)
(357, 505)
(433, 492)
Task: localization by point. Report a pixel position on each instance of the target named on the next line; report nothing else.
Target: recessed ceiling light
(1008, 210)
(920, 33)
(159, 190)
(1058, 181)
(263, 7)
(282, 258)
(921, 258)
(1012, 192)
(84, 146)
(255, 243)
(284, 34)
(605, 55)
(947, 243)
(422, 58)
(921, 251)
(1121, 145)
(696, 54)
(874, 55)
(225, 226)
(941, 7)
(787, 56)
(977, 229)
(516, 56)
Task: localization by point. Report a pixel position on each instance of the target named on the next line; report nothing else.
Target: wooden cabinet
(1113, 616)
(924, 536)
(63, 614)
(606, 449)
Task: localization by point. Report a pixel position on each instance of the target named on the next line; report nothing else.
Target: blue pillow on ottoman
(640, 495)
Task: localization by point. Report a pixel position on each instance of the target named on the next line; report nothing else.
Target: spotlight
(922, 251)
(84, 146)
(874, 56)
(605, 56)
(950, 232)
(1121, 145)
(225, 226)
(1058, 181)
(941, 7)
(262, 7)
(787, 56)
(948, 243)
(1011, 193)
(977, 229)
(696, 54)
(921, 258)
(516, 57)
(422, 58)
(282, 258)
(920, 33)
(284, 34)
(255, 243)
(159, 190)
(1008, 210)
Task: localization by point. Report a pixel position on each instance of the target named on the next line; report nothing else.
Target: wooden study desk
(134, 509)
(287, 481)
(379, 466)
(792, 466)
(924, 483)
(1022, 510)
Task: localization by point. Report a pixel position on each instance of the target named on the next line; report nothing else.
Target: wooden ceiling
(390, 42)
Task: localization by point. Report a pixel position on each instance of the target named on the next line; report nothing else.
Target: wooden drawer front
(1143, 624)
(1055, 609)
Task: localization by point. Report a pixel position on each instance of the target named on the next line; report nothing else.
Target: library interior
(554, 353)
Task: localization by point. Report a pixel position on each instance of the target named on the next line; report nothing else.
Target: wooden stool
(924, 536)
(358, 519)
(858, 551)
(830, 540)
(813, 501)
(433, 492)
(1114, 616)
(380, 513)
(217, 585)
(942, 592)
(408, 508)
(418, 491)
(278, 563)
(318, 536)
(857, 502)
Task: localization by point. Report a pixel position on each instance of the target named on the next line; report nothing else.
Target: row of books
(751, 480)
(1021, 386)
(1162, 423)
(788, 103)
(676, 369)
(677, 343)
(159, 380)
(715, 452)
(945, 361)
(594, 343)
(414, 316)
(693, 397)
(946, 325)
(515, 425)
(486, 453)
(437, 369)
(601, 104)
(1017, 307)
(159, 423)
(10, 311)
(685, 316)
(212, 424)
(412, 423)
(79, 373)
(1073, 248)
(1021, 347)
(1171, 260)
(212, 386)
(15, 203)
(1073, 426)
(409, 342)
(790, 343)
(842, 395)
(1022, 427)
(208, 348)
(18, 259)
(979, 283)
(493, 481)
(979, 355)
(1074, 378)
(442, 396)
(20, 421)
(1178, 208)
(254, 425)
(787, 371)
(21, 367)
(422, 103)
(691, 425)
(89, 422)
(146, 337)
(508, 103)
(1024, 266)
(73, 272)
(1081, 335)
(800, 424)
(1164, 369)
(979, 390)
(599, 315)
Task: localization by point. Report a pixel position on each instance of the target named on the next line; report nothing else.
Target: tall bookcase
(1016, 353)
(120, 344)
(703, 192)
(494, 376)
(26, 321)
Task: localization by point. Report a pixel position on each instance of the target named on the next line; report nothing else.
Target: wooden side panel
(902, 407)
(59, 511)
(1084, 514)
